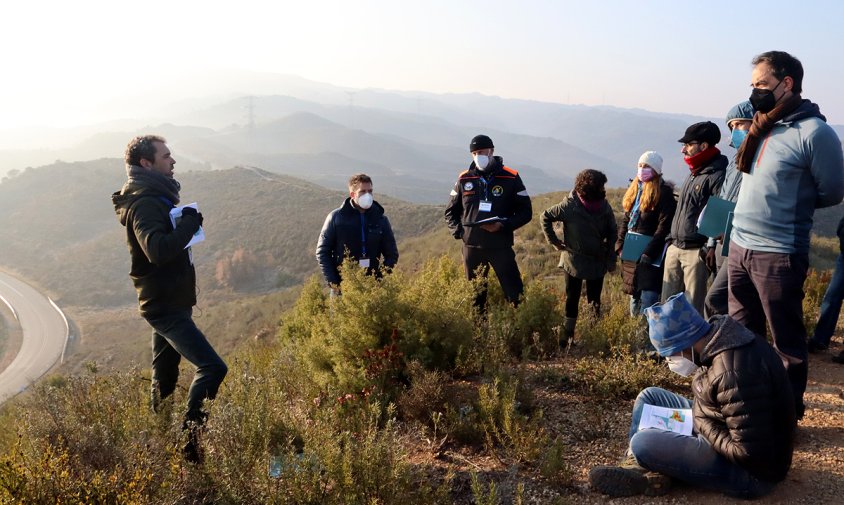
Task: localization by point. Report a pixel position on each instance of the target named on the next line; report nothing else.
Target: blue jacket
(799, 167)
(347, 229)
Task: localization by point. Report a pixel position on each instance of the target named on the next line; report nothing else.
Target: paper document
(488, 220)
(176, 215)
(667, 419)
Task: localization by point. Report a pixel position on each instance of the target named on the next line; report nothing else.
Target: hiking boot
(816, 347)
(192, 451)
(616, 481)
(629, 478)
(568, 330)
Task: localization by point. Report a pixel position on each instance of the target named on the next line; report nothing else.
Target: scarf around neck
(701, 159)
(591, 206)
(167, 186)
(762, 124)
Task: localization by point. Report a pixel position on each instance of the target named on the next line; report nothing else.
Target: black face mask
(763, 99)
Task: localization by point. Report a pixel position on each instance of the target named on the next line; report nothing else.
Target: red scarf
(701, 159)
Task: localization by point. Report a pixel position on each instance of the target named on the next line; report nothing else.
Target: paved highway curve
(45, 332)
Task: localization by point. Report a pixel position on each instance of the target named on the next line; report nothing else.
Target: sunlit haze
(72, 63)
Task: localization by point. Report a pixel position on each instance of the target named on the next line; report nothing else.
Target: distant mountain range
(413, 143)
(58, 228)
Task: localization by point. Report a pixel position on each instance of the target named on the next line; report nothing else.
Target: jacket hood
(725, 334)
(718, 163)
(805, 110)
(131, 192)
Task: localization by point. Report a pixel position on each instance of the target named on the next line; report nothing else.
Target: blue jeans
(831, 304)
(173, 336)
(645, 299)
(689, 459)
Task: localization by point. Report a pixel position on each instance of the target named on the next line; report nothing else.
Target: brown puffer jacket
(657, 224)
(743, 402)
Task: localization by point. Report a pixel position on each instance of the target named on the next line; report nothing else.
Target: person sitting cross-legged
(743, 415)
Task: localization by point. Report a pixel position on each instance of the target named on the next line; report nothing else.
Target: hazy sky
(71, 63)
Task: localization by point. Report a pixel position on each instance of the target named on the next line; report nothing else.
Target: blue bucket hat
(675, 325)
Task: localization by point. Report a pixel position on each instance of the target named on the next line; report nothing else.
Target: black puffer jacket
(161, 269)
(743, 404)
(694, 194)
(344, 228)
(655, 223)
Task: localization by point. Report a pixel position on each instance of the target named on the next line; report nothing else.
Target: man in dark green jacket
(164, 277)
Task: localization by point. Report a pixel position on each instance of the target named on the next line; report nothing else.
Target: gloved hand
(458, 234)
(645, 259)
(190, 211)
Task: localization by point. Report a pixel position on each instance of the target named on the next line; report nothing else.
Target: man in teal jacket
(792, 164)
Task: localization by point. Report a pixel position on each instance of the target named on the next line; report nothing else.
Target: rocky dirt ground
(595, 433)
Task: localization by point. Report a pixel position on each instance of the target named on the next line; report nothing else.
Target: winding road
(45, 332)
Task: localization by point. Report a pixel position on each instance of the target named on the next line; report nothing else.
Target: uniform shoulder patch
(510, 170)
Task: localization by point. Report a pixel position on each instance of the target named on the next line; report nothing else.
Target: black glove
(190, 211)
(645, 259)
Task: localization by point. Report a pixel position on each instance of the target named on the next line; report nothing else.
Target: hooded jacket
(694, 194)
(344, 229)
(161, 267)
(503, 188)
(799, 167)
(588, 238)
(743, 404)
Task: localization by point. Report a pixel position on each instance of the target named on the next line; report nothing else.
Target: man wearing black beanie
(488, 202)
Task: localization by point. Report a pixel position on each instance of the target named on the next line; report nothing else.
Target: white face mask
(364, 201)
(481, 161)
(681, 365)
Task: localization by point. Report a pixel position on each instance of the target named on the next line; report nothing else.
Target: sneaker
(816, 347)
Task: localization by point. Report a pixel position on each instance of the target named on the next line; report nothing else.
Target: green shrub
(622, 374)
(363, 340)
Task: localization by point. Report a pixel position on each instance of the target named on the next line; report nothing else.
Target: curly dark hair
(142, 148)
(589, 184)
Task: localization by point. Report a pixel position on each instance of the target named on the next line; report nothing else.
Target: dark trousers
(767, 286)
(594, 287)
(173, 336)
(717, 298)
(503, 261)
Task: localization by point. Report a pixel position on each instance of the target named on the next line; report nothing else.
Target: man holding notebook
(163, 274)
(488, 202)
(742, 436)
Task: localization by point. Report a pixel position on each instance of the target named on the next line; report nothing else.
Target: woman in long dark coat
(649, 207)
